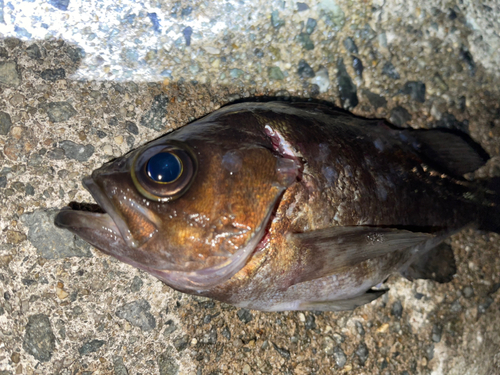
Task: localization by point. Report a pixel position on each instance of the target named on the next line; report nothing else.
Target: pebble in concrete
(137, 313)
(52, 242)
(39, 340)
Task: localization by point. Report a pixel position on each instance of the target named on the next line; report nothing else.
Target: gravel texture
(137, 313)
(82, 84)
(49, 241)
(39, 340)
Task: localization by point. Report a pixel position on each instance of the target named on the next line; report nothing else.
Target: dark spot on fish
(348, 171)
(379, 145)
(324, 152)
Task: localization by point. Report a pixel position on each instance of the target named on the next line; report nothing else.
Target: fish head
(189, 208)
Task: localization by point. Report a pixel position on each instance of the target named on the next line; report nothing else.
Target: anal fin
(343, 304)
(437, 264)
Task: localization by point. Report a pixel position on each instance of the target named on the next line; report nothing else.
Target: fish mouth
(105, 204)
(82, 218)
(85, 215)
(99, 224)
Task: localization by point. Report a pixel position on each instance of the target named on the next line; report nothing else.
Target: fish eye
(164, 172)
(164, 167)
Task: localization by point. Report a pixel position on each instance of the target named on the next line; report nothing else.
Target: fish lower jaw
(104, 202)
(94, 227)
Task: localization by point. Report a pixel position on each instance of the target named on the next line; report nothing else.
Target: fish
(279, 206)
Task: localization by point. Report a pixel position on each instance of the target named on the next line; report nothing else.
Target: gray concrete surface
(87, 81)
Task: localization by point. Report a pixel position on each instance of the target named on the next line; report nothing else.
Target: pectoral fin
(327, 251)
(343, 304)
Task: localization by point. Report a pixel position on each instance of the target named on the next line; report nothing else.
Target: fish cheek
(249, 194)
(141, 229)
(224, 207)
(185, 242)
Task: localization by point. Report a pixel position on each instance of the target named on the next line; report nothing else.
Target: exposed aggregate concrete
(67, 309)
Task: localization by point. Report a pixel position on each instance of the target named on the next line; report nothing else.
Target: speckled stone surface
(128, 72)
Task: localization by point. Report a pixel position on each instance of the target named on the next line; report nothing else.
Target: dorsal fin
(452, 152)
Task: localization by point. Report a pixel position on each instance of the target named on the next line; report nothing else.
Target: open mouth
(90, 222)
(82, 218)
(86, 207)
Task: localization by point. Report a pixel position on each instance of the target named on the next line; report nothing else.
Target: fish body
(284, 206)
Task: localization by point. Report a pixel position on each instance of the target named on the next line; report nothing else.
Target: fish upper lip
(102, 200)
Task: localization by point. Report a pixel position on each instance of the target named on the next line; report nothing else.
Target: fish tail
(490, 219)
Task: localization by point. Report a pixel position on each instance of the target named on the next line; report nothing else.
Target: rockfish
(286, 206)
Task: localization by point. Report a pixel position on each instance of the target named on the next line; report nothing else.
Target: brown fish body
(287, 207)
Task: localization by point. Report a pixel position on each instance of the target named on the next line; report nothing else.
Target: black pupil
(164, 167)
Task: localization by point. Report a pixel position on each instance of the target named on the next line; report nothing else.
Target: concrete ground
(83, 82)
